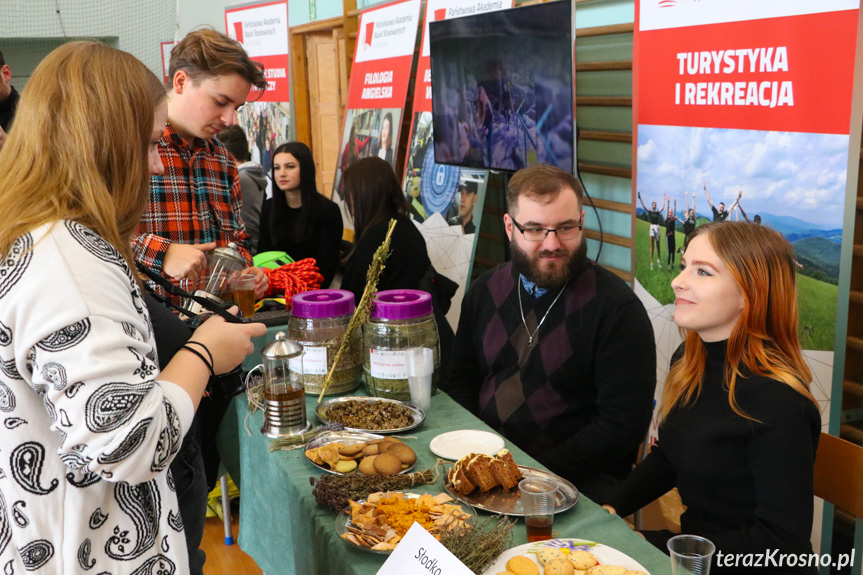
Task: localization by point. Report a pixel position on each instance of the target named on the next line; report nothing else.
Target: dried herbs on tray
(336, 490)
(479, 545)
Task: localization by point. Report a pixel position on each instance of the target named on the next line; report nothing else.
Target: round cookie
(546, 554)
(387, 464)
(635, 573)
(559, 566)
(367, 465)
(521, 565)
(582, 559)
(355, 449)
(371, 450)
(404, 453)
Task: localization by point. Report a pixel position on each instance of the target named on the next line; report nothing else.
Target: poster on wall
(733, 124)
(262, 29)
(380, 75)
(446, 201)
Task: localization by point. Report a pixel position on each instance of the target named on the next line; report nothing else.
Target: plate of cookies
(565, 557)
(349, 452)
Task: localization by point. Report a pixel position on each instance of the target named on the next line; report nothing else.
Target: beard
(530, 268)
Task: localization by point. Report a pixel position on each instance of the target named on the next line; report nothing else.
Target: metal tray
(417, 413)
(343, 521)
(497, 500)
(346, 437)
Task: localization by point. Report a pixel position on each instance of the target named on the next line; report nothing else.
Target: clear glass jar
(400, 320)
(318, 321)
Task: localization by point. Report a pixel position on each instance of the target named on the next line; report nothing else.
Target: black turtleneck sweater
(747, 484)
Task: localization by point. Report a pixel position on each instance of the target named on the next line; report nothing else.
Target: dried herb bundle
(478, 546)
(364, 306)
(297, 441)
(336, 490)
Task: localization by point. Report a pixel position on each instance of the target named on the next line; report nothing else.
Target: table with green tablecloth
(287, 533)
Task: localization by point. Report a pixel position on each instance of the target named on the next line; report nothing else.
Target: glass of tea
(538, 501)
(243, 288)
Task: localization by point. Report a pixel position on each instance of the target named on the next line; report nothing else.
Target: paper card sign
(419, 553)
(262, 29)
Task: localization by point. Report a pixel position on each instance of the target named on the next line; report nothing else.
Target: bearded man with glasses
(552, 350)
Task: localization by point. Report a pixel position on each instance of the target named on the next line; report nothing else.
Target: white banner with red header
(262, 29)
(742, 111)
(383, 56)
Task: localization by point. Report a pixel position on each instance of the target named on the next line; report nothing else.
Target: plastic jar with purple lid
(400, 319)
(318, 321)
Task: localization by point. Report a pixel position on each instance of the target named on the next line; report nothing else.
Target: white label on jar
(314, 361)
(388, 364)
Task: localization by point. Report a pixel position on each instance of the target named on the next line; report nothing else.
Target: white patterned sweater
(86, 431)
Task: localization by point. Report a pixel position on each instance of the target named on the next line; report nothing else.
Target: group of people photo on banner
(665, 220)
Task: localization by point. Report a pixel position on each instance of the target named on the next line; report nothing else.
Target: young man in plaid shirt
(195, 205)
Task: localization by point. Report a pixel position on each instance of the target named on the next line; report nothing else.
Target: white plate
(604, 554)
(456, 444)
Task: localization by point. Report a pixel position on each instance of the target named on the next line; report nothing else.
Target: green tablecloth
(287, 533)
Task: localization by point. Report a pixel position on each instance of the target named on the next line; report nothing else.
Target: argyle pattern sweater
(580, 399)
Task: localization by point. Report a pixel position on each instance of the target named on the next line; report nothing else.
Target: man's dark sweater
(579, 400)
(747, 484)
(7, 109)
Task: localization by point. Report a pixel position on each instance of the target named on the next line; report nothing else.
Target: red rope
(291, 279)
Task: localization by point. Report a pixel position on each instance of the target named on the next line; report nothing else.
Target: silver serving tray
(417, 413)
(497, 500)
(343, 521)
(346, 437)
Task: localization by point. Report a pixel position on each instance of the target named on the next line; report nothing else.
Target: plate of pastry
(490, 483)
(559, 556)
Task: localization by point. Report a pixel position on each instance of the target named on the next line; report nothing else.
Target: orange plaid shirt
(196, 201)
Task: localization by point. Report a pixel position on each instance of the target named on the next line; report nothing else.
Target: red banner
(770, 74)
(379, 83)
(383, 56)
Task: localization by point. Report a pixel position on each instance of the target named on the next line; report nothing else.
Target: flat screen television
(502, 88)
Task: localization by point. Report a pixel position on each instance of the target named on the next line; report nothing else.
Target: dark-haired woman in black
(298, 220)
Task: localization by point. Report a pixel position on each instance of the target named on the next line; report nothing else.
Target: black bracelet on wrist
(205, 348)
(200, 355)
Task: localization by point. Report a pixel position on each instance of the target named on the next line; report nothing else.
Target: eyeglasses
(565, 232)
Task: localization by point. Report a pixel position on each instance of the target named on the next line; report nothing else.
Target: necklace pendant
(530, 341)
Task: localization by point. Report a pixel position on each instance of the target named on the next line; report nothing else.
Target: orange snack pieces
(384, 518)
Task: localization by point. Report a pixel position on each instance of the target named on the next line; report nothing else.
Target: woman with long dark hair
(298, 220)
(384, 146)
(738, 424)
(374, 196)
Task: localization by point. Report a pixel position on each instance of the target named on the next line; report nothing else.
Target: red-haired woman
(739, 426)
